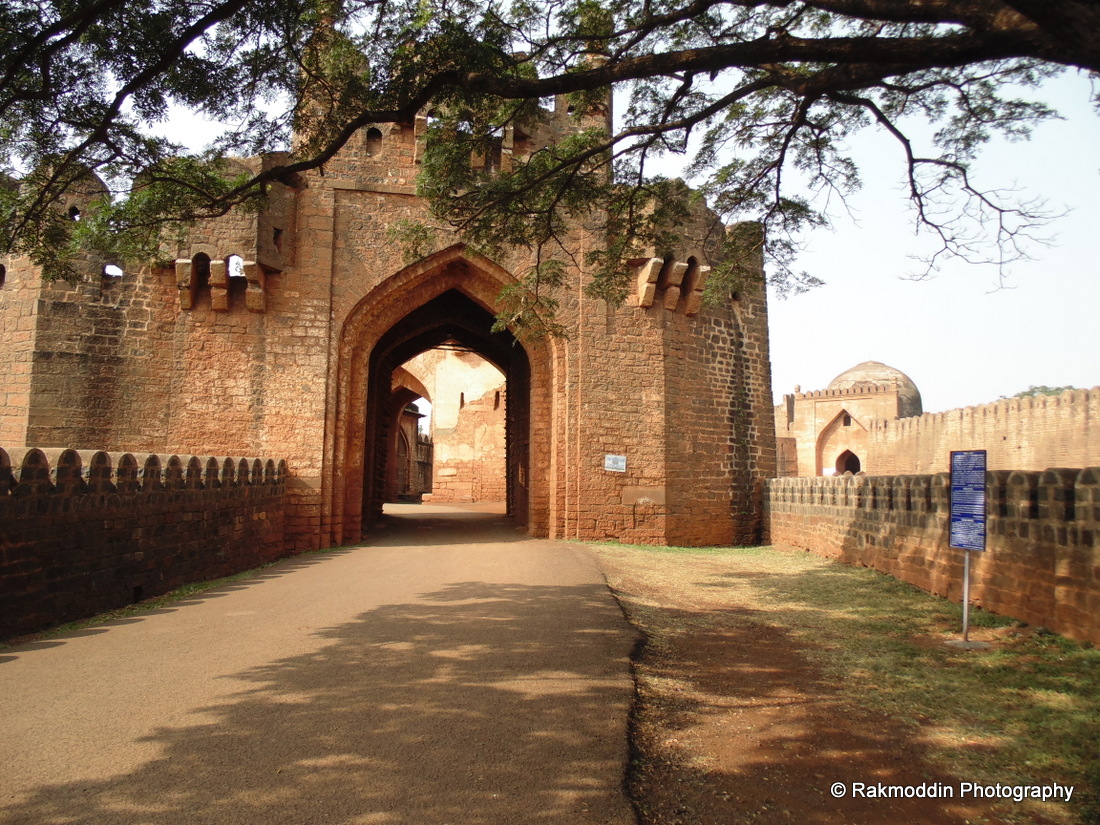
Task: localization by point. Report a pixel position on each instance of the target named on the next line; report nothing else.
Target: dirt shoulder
(739, 718)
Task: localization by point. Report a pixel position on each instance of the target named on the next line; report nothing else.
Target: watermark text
(942, 790)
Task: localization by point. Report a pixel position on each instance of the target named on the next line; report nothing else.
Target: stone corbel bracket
(675, 285)
(254, 294)
(218, 281)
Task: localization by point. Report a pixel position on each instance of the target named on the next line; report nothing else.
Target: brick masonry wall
(18, 296)
(469, 459)
(1042, 562)
(83, 532)
(279, 362)
(469, 400)
(1017, 433)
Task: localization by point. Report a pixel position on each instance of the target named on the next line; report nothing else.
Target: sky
(962, 340)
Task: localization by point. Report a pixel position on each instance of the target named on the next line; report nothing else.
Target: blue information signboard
(968, 499)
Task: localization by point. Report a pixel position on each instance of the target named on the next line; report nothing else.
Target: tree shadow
(95, 625)
(740, 719)
(738, 725)
(477, 703)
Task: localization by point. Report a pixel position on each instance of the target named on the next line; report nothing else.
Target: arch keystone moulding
(382, 309)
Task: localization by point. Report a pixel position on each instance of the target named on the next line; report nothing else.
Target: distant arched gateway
(826, 431)
(847, 462)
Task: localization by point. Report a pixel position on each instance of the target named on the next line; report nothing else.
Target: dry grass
(1026, 711)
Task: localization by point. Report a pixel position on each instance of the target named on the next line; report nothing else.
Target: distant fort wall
(84, 531)
(1042, 563)
(1017, 434)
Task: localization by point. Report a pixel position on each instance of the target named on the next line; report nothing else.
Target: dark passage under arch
(452, 316)
(847, 462)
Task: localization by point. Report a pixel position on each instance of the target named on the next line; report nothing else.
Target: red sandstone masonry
(1042, 564)
(1018, 433)
(83, 532)
(283, 361)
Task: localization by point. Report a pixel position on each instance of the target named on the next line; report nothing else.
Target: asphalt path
(449, 672)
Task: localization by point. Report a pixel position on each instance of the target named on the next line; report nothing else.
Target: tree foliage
(1035, 391)
(759, 97)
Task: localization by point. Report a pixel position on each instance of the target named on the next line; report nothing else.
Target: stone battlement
(1018, 433)
(848, 392)
(82, 531)
(1004, 409)
(27, 472)
(1042, 563)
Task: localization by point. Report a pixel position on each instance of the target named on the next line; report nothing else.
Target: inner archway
(465, 430)
(451, 319)
(840, 444)
(847, 462)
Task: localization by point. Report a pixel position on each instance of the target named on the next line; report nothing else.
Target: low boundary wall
(1042, 563)
(82, 532)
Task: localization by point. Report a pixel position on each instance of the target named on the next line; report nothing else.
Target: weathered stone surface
(873, 411)
(1042, 558)
(295, 358)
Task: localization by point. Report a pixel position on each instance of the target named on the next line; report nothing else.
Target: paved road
(414, 681)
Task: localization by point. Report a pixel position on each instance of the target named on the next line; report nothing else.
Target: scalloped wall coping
(66, 471)
(1062, 494)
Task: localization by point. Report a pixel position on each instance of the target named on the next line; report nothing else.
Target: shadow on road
(477, 703)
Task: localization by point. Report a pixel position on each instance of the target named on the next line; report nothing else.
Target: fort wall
(277, 333)
(469, 445)
(1042, 563)
(82, 532)
(18, 295)
(1017, 434)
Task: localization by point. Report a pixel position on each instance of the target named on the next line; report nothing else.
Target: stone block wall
(294, 357)
(469, 401)
(1042, 563)
(469, 459)
(82, 532)
(118, 362)
(18, 293)
(1016, 433)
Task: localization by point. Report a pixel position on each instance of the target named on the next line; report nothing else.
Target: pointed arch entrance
(840, 445)
(847, 462)
(449, 296)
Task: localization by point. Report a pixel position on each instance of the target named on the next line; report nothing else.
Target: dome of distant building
(875, 373)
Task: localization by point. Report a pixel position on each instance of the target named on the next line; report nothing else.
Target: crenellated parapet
(85, 531)
(859, 390)
(1055, 495)
(67, 472)
(1004, 411)
(1042, 562)
(1018, 433)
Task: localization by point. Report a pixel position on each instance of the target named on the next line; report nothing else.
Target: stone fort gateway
(252, 400)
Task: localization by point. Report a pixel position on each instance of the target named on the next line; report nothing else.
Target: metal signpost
(967, 515)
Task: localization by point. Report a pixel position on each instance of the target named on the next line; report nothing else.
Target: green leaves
(755, 101)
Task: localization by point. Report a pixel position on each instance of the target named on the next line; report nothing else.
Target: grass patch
(665, 550)
(1026, 711)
